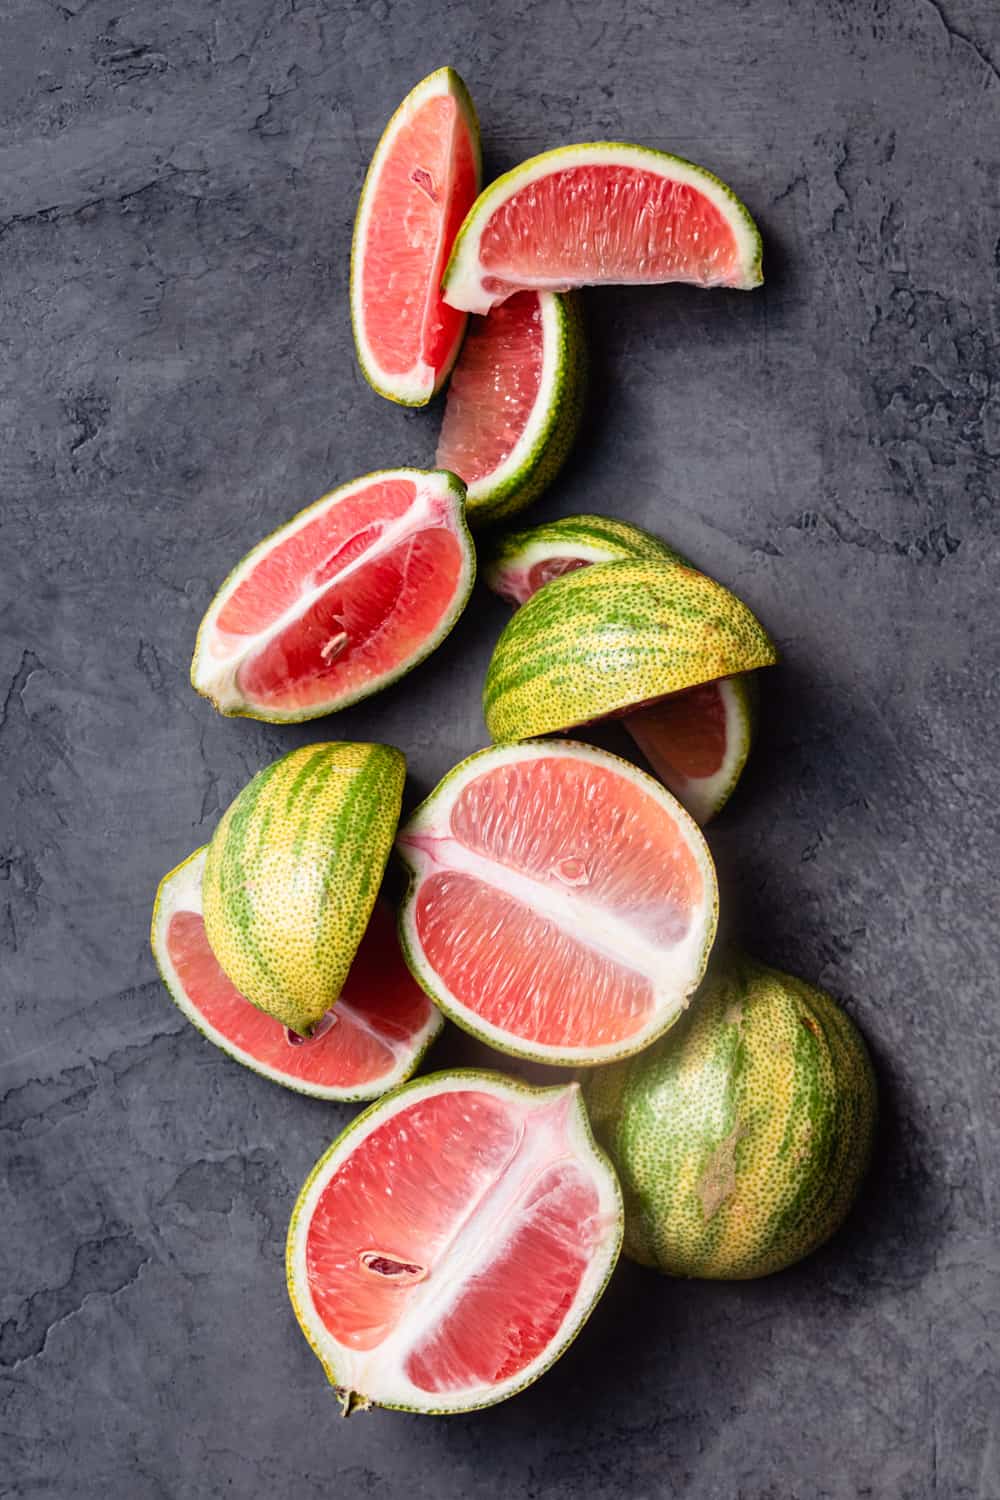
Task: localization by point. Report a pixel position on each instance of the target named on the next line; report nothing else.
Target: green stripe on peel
(605, 638)
(742, 1136)
(292, 873)
(586, 539)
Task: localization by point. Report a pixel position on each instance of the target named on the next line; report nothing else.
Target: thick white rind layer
(214, 675)
(363, 1373)
(434, 815)
(463, 287)
(181, 891)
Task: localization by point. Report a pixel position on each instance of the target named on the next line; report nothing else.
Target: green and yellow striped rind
(606, 638)
(351, 1401)
(740, 1138)
(442, 80)
(292, 874)
(564, 398)
(592, 539)
(462, 270)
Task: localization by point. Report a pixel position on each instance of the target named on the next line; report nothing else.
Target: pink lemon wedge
(514, 403)
(596, 213)
(562, 903)
(452, 1242)
(372, 1039)
(424, 175)
(352, 593)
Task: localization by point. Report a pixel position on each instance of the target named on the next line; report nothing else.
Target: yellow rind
(292, 874)
(609, 637)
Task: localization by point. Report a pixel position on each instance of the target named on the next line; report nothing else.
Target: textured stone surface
(178, 185)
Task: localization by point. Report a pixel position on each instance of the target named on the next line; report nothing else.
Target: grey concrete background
(177, 186)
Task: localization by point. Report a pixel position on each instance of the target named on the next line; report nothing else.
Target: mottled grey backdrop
(177, 186)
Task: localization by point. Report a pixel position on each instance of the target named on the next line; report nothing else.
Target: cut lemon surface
(423, 177)
(514, 402)
(349, 595)
(562, 904)
(451, 1243)
(372, 1040)
(601, 212)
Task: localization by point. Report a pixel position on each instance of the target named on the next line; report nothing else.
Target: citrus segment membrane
(597, 213)
(423, 177)
(451, 1243)
(352, 592)
(369, 1042)
(562, 905)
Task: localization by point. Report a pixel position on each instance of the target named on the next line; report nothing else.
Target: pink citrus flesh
(493, 389)
(426, 179)
(443, 1257)
(330, 609)
(562, 905)
(369, 1041)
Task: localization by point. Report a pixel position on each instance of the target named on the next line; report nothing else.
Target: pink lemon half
(349, 595)
(562, 904)
(597, 213)
(452, 1242)
(424, 176)
(372, 1039)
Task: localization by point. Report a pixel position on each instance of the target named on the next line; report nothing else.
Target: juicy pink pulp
(605, 223)
(425, 187)
(493, 389)
(458, 1165)
(373, 603)
(683, 736)
(380, 1011)
(584, 834)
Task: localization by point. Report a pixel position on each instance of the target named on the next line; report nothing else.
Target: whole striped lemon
(740, 1137)
(292, 873)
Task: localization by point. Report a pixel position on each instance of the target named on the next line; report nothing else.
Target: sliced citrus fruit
(292, 872)
(372, 1040)
(741, 1139)
(562, 904)
(451, 1243)
(424, 175)
(601, 212)
(350, 594)
(607, 639)
(522, 561)
(514, 402)
(697, 740)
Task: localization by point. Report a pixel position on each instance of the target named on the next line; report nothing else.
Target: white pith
(541, 412)
(181, 892)
(672, 971)
(417, 385)
(702, 795)
(378, 1374)
(219, 655)
(463, 286)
